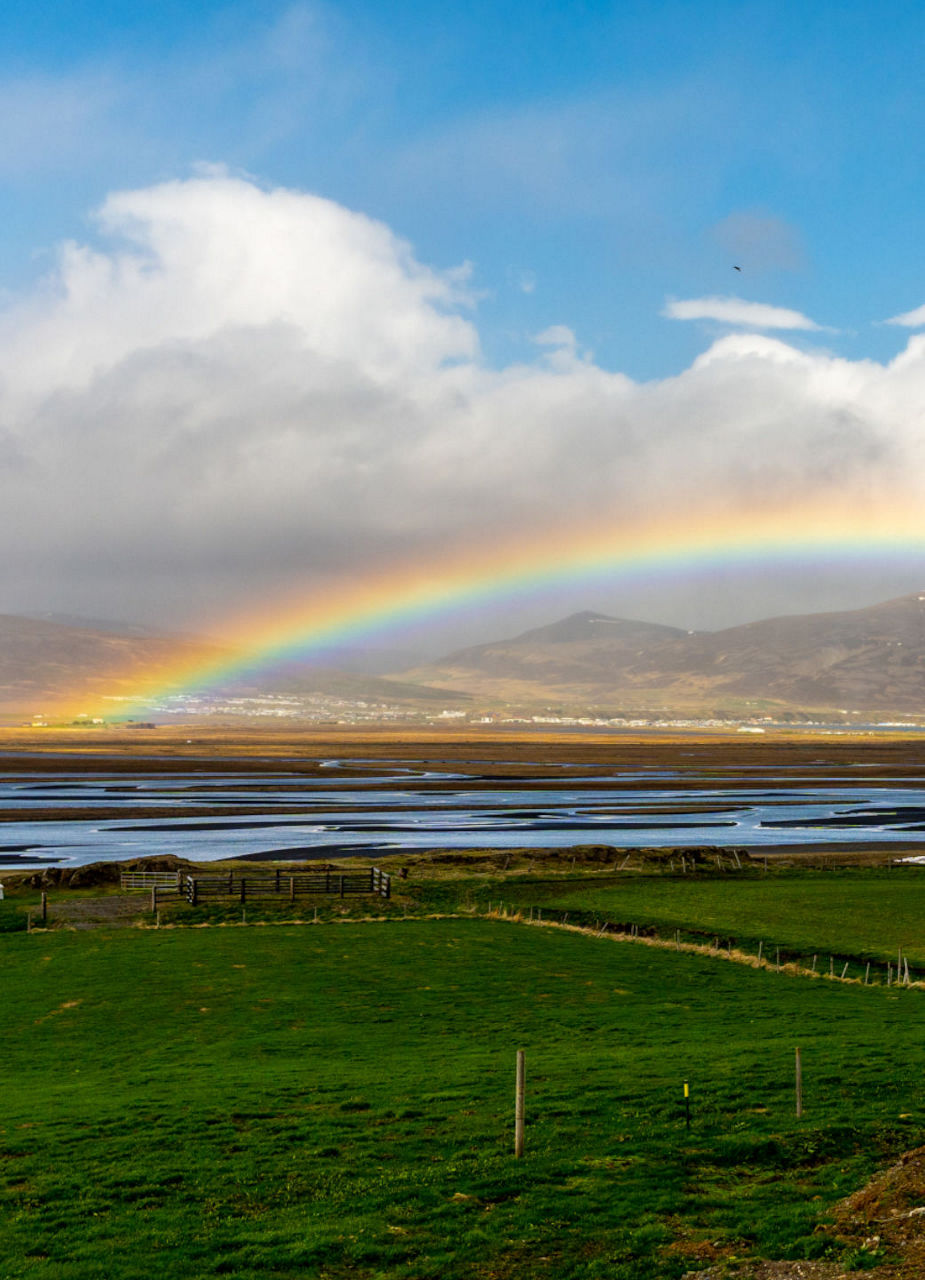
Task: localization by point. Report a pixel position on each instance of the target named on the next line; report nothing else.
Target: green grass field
(863, 913)
(336, 1100)
(857, 912)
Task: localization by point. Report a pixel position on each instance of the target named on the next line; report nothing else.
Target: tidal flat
(89, 796)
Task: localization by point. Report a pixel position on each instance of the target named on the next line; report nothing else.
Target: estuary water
(51, 817)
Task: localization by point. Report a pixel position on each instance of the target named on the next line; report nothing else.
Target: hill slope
(870, 659)
(47, 665)
(45, 662)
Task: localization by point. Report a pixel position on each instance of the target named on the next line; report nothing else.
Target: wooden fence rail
(141, 881)
(201, 888)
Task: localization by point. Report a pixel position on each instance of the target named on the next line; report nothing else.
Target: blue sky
(589, 160)
(294, 289)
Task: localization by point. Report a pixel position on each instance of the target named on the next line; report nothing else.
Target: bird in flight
(735, 268)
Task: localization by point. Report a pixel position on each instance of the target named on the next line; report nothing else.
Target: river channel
(72, 817)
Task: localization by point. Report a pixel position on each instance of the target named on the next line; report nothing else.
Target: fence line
(140, 881)
(197, 887)
(711, 944)
(241, 888)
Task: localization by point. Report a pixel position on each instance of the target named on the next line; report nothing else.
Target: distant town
(328, 709)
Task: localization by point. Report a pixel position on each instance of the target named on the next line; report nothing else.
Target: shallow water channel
(394, 807)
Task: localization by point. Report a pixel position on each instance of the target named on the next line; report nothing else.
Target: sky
(292, 291)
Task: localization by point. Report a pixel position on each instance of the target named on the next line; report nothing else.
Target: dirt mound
(708, 856)
(155, 862)
(786, 1271)
(881, 1226)
(93, 873)
(99, 873)
(888, 1216)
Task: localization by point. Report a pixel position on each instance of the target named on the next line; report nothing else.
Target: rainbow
(369, 607)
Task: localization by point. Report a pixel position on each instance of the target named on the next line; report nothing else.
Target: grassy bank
(335, 1100)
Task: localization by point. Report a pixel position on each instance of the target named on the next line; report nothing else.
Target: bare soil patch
(882, 1224)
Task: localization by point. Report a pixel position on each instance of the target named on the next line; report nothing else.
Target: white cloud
(910, 319)
(737, 311)
(245, 389)
(217, 254)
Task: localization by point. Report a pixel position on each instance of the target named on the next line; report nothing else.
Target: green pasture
(865, 913)
(336, 1101)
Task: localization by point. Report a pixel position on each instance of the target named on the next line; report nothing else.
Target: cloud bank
(245, 389)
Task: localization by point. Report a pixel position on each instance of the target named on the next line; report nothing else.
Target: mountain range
(49, 660)
(870, 661)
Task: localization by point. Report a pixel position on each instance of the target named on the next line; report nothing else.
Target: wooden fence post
(798, 1078)
(153, 898)
(342, 886)
(519, 1091)
(292, 888)
(44, 908)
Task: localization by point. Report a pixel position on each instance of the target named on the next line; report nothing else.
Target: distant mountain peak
(872, 658)
(588, 624)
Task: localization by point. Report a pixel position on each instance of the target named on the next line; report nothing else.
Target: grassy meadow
(336, 1100)
(860, 912)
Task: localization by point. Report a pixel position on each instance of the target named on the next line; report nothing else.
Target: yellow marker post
(687, 1104)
